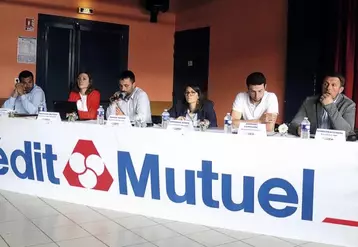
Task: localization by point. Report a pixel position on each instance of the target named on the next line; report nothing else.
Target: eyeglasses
(190, 93)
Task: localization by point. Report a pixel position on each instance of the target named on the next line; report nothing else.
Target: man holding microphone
(130, 101)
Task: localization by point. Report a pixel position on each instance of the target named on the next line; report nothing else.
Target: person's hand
(326, 99)
(205, 122)
(119, 112)
(115, 97)
(181, 118)
(266, 118)
(14, 93)
(299, 130)
(20, 89)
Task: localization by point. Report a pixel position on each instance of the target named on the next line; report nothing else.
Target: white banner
(284, 187)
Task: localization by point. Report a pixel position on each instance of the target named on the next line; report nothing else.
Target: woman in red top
(86, 97)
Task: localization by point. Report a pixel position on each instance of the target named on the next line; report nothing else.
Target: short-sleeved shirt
(250, 111)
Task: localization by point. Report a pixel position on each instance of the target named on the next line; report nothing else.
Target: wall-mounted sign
(30, 24)
(26, 50)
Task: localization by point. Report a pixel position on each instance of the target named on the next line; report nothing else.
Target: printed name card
(252, 129)
(49, 116)
(180, 125)
(4, 112)
(330, 135)
(122, 121)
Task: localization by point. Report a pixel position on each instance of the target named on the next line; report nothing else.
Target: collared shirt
(136, 106)
(250, 111)
(27, 103)
(325, 121)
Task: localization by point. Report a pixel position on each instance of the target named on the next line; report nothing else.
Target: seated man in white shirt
(27, 96)
(130, 101)
(257, 105)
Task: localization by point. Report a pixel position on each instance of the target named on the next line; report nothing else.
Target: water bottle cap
(165, 109)
(305, 118)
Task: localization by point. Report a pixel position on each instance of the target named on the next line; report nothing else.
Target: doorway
(68, 46)
(191, 60)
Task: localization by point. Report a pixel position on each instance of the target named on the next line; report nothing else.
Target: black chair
(156, 119)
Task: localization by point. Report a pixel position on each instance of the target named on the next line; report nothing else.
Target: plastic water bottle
(305, 128)
(40, 108)
(227, 123)
(165, 118)
(100, 115)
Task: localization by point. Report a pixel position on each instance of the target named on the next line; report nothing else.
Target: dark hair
(127, 74)
(90, 88)
(255, 78)
(338, 75)
(25, 74)
(201, 100)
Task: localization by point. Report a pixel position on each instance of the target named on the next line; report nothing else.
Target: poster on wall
(26, 50)
(30, 24)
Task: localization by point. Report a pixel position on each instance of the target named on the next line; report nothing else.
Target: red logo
(86, 169)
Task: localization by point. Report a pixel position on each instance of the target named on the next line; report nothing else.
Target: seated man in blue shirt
(26, 97)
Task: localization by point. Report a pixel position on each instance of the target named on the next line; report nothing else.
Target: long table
(285, 187)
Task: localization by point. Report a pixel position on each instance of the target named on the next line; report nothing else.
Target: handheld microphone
(117, 96)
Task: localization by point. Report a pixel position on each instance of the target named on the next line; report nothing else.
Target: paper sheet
(26, 50)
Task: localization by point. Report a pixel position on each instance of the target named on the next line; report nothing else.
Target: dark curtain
(311, 46)
(346, 59)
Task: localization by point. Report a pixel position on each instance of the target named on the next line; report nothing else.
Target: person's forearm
(338, 121)
(28, 106)
(270, 127)
(9, 103)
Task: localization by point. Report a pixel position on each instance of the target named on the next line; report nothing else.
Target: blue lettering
(50, 157)
(247, 203)
(291, 196)
(265, 197)
(38, 162)
(31, 168)
(189, 194)
(27, 156)
(150, 167)
(4, 162)
(307, 194)
(207, 176)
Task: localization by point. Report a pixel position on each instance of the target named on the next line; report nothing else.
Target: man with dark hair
(257, 105)
(331, 110)
(27, 96)
(130, 101)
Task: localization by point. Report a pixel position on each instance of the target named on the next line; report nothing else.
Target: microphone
(117, 96)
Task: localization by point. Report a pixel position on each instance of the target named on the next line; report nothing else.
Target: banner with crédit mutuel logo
(286, 187)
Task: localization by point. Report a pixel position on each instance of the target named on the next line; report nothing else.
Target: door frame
(45, 21)
(205, 28)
